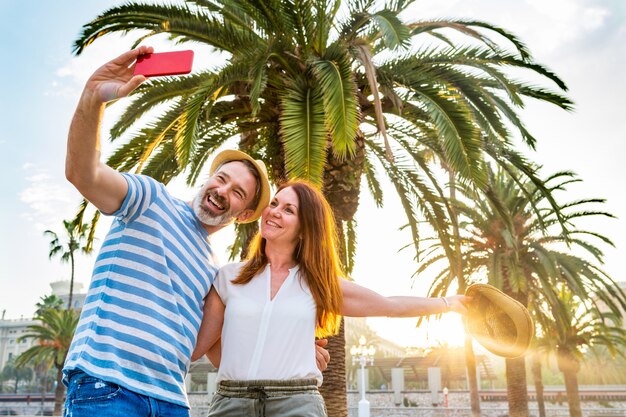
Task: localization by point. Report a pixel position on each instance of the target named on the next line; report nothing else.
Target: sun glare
(447, 330)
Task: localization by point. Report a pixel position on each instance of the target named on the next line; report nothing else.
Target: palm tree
(75, 235)
(601, 367)
(577, 326)
(456, 258)
(48, 302)
(516, 240)
(53, 335)
(330, 92)
(12, 372)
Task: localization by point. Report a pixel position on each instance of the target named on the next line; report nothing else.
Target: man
(132, 347)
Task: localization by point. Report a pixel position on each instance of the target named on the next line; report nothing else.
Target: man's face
(226, 195)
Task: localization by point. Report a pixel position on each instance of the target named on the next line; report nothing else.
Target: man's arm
(322, 357)
(210, 328)
(359, 301)
(104, 187)
(215, 354)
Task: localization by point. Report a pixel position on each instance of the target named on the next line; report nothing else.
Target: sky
(583, 41)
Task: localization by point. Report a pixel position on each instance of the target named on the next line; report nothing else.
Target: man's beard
(208, 218)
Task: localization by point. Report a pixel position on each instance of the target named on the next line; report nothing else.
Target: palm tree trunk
(516, 386)
(516, 389)
(537, 380)
(470, 358)
(59, 392)
(69, 300)
(573, 397)
(472, 380)
(334, 387)
(342, 181)
(342, 187)
(569, 366)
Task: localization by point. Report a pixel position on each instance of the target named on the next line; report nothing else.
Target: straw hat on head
(231, 155)
(501, 324)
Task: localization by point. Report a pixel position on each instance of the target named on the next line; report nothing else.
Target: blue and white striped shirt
(143, 310)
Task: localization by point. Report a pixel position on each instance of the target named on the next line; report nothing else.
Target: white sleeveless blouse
(263, 338)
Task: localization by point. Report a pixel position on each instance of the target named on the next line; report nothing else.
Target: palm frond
(213, 136)
(364, 55)
(372, 182)
(394, 32)
(338, 93)
(181, 22)
(466, 27)
(303, 132)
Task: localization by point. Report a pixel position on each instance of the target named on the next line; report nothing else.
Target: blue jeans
(88, 396)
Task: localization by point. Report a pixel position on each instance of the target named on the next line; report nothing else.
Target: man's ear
(244, 215)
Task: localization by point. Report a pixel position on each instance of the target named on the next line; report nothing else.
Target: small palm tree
(53, 337)
(74, 239)
(601, 367)
(48, 302)
(12, 372)
(575, 328)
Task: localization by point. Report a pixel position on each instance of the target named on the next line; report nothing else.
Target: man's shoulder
(148, 183)
(142, 178)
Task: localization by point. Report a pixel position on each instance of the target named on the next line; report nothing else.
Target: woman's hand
(456, 303)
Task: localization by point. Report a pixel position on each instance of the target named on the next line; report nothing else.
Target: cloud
(73, 73)
(46, 198)
(546, 26)
(563, 22)
(58, 89)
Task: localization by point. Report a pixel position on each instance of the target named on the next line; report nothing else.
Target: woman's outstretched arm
(359, 301)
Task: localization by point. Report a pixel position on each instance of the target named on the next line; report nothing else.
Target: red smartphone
(164, 63)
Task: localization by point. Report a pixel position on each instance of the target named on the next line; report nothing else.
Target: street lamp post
(363, 355)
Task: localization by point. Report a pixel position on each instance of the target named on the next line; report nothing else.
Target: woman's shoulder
(231, 269)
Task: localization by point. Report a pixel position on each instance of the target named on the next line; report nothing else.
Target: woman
(290, 290)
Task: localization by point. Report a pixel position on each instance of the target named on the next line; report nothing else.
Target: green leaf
(338, 92)
(395, 34)
(303, 132)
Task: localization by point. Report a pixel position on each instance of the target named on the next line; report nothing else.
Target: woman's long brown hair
(316, 255)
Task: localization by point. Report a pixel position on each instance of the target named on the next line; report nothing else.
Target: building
(12, 329)
(62, 290)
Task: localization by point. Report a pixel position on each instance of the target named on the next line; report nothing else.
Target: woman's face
(279, 221)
